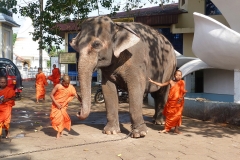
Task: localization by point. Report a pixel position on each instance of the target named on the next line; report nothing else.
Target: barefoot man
(6, 102)
(56, 75)
(174, 106)
(61, 95)
(41, 82)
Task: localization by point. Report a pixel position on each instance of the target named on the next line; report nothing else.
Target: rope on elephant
(69, 146)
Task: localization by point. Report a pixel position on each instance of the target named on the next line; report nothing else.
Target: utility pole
(40, 39)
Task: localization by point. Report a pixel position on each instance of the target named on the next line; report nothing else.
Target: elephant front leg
(111, 104)
(139, 128)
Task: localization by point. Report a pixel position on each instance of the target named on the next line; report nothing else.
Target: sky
(20, 20)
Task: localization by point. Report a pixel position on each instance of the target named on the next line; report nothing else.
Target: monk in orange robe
(174, 106)
(41, 82)
(56, 75)
(6, 102)
(61, 95)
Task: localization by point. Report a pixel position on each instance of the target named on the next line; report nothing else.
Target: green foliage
(5, 5)
(53, 51)
(48, 64)
(14, 38)
(59, 11)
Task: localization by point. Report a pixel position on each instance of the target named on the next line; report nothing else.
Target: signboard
(67, 58)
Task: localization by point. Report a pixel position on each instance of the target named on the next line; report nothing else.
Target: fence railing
(31, 73)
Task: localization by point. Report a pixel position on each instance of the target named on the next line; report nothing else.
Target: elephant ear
(124, 38)
(74, 42)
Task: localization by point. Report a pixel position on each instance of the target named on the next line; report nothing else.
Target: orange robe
(59, 117)
(41, 82)
(55, 77)
(173, 109)
(6, 108)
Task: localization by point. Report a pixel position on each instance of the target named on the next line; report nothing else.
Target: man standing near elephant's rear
(174, 106)
(61, 95)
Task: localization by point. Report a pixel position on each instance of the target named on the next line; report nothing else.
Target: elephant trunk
(85, 78)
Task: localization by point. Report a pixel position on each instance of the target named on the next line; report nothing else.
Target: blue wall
(212, 97)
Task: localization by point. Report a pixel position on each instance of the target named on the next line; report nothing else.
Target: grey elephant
(127, 54)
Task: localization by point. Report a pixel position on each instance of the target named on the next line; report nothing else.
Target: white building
(25, 50)
(6, 24)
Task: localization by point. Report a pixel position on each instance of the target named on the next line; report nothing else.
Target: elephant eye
(96, 44)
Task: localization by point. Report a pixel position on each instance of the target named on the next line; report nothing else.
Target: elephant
(127, 54)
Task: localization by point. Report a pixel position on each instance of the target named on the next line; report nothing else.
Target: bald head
(66, 78)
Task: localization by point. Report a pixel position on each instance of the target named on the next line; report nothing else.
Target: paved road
(31, 133)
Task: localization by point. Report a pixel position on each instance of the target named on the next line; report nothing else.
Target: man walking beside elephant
(61, 95)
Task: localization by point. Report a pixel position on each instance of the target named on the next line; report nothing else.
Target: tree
(14, 38)
(59, 11)
(53, 51)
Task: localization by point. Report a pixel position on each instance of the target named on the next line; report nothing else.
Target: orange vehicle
(9, 70)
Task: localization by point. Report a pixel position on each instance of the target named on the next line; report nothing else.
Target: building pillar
(236, 86)
(1, 41)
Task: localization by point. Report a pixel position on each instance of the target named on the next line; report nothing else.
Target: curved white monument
(181, 60)
(231, 11)
(192, 66)
(215, 44)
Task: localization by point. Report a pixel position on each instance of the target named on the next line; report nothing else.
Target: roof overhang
(8, 20)
(152, 16)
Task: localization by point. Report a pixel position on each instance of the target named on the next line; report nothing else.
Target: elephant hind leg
(160, 99)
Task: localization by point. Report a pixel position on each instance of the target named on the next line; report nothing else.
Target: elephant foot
(139, 131)
(159, 122)
(109, 129)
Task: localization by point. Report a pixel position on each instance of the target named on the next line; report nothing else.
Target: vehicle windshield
(7, 70)
(3, 72)
(11, 71)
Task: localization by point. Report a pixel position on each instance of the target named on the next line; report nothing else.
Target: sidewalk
(31, 132)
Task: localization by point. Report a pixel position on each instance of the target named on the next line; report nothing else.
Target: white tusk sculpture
(231, 12)
(215, 44)
(193, 66)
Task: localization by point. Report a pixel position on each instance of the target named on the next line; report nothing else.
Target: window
(3, 72)
(211, 9)
(183, 2)
(175, 39)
